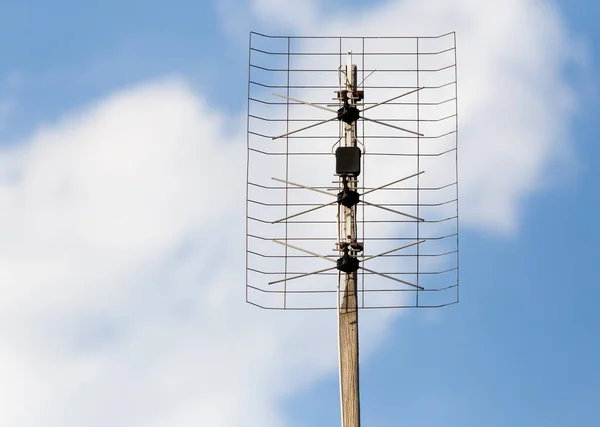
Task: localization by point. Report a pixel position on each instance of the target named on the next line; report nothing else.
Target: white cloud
(121, 254)
(288, 15)
(121, 270)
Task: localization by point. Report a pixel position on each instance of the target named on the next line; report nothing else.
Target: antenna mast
(385, 134)
(348, 263)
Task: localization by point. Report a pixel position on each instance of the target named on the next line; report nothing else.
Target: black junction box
(347, 161)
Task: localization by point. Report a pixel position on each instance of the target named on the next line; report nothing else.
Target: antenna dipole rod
(348, 310)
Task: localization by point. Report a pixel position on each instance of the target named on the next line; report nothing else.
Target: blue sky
(115, 118)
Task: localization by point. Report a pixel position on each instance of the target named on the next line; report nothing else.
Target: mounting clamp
(347, 197)
(347, 263)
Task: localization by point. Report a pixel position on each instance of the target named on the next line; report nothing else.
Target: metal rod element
(392, 278)
(304, 128)
(302, 186)
(304, 212)
(393, 182)
(302, 275)
(392, 99)
(391, 126)
(392, 210)
(393, 250)
(305, 103)
(363, 80)
(304, 250)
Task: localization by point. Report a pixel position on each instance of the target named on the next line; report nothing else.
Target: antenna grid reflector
(406, 170)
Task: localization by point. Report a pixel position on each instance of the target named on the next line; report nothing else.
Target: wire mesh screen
(407, 217)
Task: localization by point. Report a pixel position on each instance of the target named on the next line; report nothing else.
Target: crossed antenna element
(347, 113)
(347, 263)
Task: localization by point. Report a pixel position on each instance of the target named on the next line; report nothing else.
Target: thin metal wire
(324, 70)
(387, 119)
(352, 37)
(266, 187)
(329, 273)
(366, 103)
(378, 239)
(337, 53)
(422, 255)
(380, 204)
(266, 307)
(331, 291)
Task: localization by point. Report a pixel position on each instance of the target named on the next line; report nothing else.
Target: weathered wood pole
(348, 314)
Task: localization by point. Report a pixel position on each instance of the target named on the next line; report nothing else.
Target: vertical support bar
(456, 158)
(348, 317)
(418, 176)
(363, 169)
(287, 169)
(248, 158)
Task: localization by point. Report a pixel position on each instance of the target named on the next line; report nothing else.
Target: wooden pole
(348, 314)
(349, 353)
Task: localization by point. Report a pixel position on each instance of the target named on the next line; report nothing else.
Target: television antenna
(393, 240)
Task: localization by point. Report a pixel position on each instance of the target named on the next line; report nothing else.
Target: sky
(122, 179)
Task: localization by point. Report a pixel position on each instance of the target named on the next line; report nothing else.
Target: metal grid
(308, 68)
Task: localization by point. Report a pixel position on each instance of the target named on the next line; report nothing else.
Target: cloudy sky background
(121, 261)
